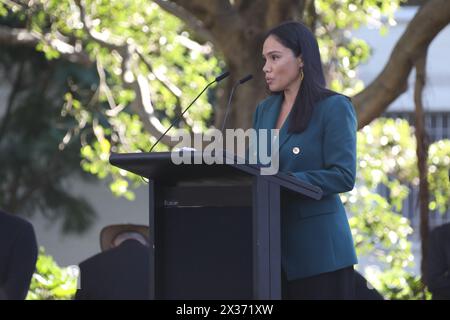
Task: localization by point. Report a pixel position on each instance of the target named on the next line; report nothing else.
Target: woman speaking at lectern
(317, 144)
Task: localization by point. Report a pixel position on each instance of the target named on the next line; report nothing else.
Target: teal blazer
(315, 234)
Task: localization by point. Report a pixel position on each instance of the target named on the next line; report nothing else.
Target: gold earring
(301, 74)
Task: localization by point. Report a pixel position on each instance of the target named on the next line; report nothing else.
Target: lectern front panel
(203, 253)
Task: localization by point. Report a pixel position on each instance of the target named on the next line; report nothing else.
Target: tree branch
(312, 16)
(15, 4)
(188, 18)
(390, 83)
(23, 37)
(143, 107)
(14, 36)
(103, 86)
(174, 90)
(218, 16)
(422, 158)
(97, 36)
(12, 96)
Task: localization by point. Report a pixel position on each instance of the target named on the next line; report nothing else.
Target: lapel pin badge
(296, 150)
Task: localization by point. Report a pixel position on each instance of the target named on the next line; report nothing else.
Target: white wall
(72, 249)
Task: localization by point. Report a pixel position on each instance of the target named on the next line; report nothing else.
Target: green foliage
(37, 145)
(438, 171)
(51, 282)
(386, 156)
(172, 60)
(387, 149)
(398, 284)
(341, 52)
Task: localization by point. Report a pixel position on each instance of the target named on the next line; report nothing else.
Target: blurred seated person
(121, 270)
(18, 255)
(438, 273)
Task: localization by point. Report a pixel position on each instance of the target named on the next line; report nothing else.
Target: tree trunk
(247, 95)
(237, 31)
(422, 158)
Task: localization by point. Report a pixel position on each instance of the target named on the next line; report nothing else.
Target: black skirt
(335, 285)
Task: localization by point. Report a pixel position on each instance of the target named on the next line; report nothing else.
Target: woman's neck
(290, 93)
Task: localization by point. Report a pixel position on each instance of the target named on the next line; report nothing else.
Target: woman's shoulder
(335, 101)
(269, 102)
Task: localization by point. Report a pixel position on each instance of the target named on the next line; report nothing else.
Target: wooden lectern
(214, 229)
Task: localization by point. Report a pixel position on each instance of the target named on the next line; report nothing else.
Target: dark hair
(298, 38)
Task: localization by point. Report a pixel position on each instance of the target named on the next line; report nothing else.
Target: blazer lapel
(270, 118)
(284, 134)
(272, 113)
(270, 121)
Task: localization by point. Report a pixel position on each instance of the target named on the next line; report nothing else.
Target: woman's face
(281, 68)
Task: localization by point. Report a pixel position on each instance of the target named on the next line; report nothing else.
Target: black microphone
(241, 81)
(217, 79)
(222, 76)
